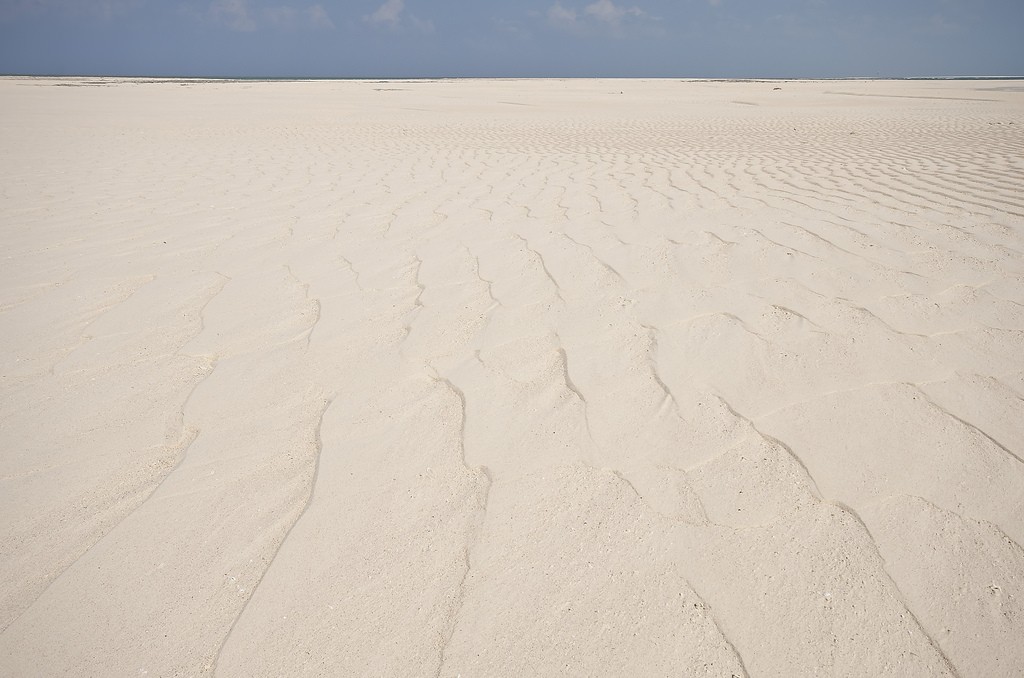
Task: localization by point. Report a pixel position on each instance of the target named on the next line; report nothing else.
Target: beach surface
(511, 378)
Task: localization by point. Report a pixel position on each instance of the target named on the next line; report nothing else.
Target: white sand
(508, 378)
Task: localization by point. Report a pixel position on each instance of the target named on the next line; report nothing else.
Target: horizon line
(682, 78)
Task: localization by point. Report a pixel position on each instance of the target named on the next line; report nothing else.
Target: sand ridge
(511, 377)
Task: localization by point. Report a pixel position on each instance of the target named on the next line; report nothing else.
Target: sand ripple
(650, 378)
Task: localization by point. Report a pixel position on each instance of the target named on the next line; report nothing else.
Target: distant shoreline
(179, 78)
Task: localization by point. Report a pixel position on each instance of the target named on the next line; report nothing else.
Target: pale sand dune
(505, 378)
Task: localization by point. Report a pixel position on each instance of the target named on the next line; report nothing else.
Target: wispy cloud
(389, 13)
(393, 15)
(602, 14)
(103, 9)
(246, 16)
(610, 13)
(285, 16)
(561, 16)
(318, 17)
(234, 14)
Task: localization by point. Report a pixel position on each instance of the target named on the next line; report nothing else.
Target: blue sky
(421, 38)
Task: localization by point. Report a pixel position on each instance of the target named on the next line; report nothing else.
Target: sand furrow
(473, 538)
(938, 649)
(984, 580)
(540, 260)
(284, 538)
(969, 425)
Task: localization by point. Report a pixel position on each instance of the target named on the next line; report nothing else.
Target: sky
(513, 38)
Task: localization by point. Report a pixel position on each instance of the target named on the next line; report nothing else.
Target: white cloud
(393, 15)
(103, 9)
(318, 17)
(280, 16)
(252, 15)
(599, 16)
(233, 13)
(610, 13)
(286, 16)
(557, 14)
(388, 13)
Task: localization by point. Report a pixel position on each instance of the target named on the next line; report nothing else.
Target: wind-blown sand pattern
(505, 378)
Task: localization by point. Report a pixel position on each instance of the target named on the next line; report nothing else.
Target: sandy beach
(511, 378)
